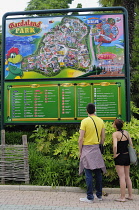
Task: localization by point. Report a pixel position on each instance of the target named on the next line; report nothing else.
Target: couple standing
(92, 133)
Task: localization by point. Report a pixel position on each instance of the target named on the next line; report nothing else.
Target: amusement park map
(64, 47)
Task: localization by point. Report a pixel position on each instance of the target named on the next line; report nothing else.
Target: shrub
(15, 137)
(60, 166)
(54, 155)
(51, 171)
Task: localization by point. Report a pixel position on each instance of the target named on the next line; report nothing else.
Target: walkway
(29, 199)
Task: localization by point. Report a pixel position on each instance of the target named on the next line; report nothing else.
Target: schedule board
(63, 101)
(53, 66)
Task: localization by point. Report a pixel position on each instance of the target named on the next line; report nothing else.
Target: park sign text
(25, 28)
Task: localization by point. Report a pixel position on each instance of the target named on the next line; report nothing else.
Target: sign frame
(126, 78)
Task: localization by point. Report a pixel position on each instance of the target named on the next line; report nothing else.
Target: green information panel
(62, 101)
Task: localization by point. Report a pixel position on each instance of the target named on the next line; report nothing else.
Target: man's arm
(102, 136)
(80, 141)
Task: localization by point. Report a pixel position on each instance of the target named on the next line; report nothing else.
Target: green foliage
(15, 137)
(106, 3)
(0, 46)
(135, 63)
(46, 4)
(58, 164)
(47, 137)
(133, 128)
(52, 172)
(134, 109)
(78, 6)
(68, 148)
(54, 157)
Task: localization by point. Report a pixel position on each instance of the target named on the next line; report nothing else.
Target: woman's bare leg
(121, 173)
(128, 181)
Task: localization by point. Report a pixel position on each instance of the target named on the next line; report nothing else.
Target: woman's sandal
(131, 199)
(120, 200)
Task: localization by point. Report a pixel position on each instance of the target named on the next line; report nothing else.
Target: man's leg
(89, 183)
(98, 186)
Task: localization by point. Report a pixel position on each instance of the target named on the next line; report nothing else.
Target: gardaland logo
(25, 28)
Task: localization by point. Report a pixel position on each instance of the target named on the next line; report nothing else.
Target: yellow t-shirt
(90, 136)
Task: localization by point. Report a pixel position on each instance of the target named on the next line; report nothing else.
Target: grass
(68, 72)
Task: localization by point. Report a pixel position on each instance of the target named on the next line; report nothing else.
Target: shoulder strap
(123, 135)
(95, 127)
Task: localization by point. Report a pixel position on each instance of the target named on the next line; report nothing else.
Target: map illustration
(63, 47)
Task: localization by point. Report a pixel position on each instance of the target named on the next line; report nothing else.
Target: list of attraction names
(33, 102)
(106, 102)
(63, 101)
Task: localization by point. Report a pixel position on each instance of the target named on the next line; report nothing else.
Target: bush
(52, 171)
(13, 133)
(58, 166)
(15, 137)
(54, 155)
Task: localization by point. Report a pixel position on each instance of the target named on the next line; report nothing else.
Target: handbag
(101, 147)
(132, 155)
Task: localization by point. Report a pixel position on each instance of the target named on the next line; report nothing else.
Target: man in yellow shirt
(92, 133)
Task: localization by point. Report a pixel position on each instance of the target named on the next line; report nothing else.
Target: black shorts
(122, 160)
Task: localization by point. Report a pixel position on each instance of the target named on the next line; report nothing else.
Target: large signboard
(63, 47)
(54, 66)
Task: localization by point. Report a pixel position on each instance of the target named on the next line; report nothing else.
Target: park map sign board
(53, 66)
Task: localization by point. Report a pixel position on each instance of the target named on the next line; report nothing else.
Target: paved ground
(24, 199)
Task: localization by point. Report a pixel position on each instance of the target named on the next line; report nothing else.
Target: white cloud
(20, 5)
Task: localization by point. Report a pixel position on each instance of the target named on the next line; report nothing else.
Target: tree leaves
(46, 4)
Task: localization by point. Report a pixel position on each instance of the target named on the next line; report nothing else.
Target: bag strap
(95, 127)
